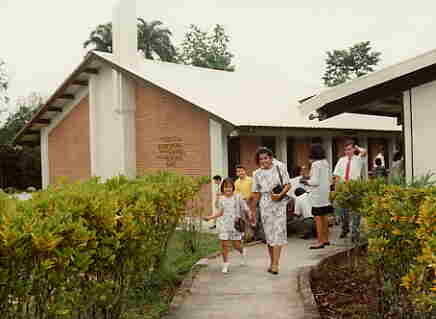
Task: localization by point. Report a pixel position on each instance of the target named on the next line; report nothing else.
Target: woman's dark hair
(299, 191)
(397, 156)
(296, 171)
(317, 152)
(263, 150)
(227, 181)
(378, 161)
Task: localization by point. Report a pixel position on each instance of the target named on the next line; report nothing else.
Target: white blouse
(319, 183)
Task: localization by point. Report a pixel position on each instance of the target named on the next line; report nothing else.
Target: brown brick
(249, 145)
(168, 125)
(68, 145)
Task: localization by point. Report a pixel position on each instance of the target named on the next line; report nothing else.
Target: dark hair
(299, 191)
(397, 156)
(217, 178)
(317, 152)
(349, 142)
(296, 171)
(263, 150)
(227, 181)
(378, 161)
(239, 166)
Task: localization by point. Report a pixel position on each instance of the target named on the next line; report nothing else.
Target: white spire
(125, 33)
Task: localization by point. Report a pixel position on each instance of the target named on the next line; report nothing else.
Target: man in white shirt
(350, 167)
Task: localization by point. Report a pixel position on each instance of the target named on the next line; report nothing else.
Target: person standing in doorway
(270, 186)
(217, 193)
(243, 187)
(350, 167)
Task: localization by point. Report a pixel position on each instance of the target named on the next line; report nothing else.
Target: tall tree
(4, 84)
(344, 65)
(207, 50)
(100, 38)
(26, 107)
(154, 41)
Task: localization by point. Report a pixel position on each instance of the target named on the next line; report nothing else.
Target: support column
(127, 109)
(392, 148)
(216, 153)
(327, 143)
(282, 149)
(408, 136)
(364, 144)
(44, 159)
(93, 119)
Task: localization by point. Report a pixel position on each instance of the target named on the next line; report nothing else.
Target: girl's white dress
(233, 207)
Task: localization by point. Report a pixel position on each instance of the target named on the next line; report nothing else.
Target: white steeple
(125, 33)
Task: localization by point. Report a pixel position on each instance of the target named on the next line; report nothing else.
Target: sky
(42, 41)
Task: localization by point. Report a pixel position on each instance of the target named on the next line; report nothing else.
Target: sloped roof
(391, 80)
(246, 98)
(240, 98)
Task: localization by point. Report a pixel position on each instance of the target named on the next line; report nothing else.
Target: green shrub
(401, 225)
(77, 250)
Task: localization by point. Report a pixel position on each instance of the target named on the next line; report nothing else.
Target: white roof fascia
(367, 81)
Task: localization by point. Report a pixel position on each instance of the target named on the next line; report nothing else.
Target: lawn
(153, 300)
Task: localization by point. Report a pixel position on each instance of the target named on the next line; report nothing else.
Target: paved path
(250, 292)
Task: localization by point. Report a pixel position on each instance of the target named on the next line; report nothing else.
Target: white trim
(67, 110)
(216, 152)
(45, 171)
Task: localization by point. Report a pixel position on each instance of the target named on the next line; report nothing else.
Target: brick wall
(249, 145)
(68, 145)
(171, 134)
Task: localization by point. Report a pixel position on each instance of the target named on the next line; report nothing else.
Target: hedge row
(78, 250)
(401, 224)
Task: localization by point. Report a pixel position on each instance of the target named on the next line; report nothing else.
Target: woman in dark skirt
(319, 187)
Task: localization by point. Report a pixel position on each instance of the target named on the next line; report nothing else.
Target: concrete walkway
(250, 292)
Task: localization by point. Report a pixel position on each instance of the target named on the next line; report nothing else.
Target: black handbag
(239, 223)
(279, 188)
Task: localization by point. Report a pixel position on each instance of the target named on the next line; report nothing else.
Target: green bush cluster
(401, 225)
(77, 250)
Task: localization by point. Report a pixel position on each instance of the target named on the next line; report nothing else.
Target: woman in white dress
(230, 207)
(272, 203)
(319, 193)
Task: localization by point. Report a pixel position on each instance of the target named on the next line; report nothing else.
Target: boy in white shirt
(350, 167)
(303, 209)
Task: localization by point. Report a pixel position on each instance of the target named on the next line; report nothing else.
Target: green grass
(153, 300)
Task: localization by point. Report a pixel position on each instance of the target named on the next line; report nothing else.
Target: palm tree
(101, 38)
(152, 40)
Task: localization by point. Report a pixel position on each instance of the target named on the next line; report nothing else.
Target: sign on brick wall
(171, 149)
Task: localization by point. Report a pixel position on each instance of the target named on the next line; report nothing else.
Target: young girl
(230, 207)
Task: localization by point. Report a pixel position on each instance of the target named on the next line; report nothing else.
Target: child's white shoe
(225, 268)
(243, 255)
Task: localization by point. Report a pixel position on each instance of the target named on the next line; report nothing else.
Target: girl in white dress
(231, 206)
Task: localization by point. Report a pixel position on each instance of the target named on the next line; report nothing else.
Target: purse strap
(280, 175)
